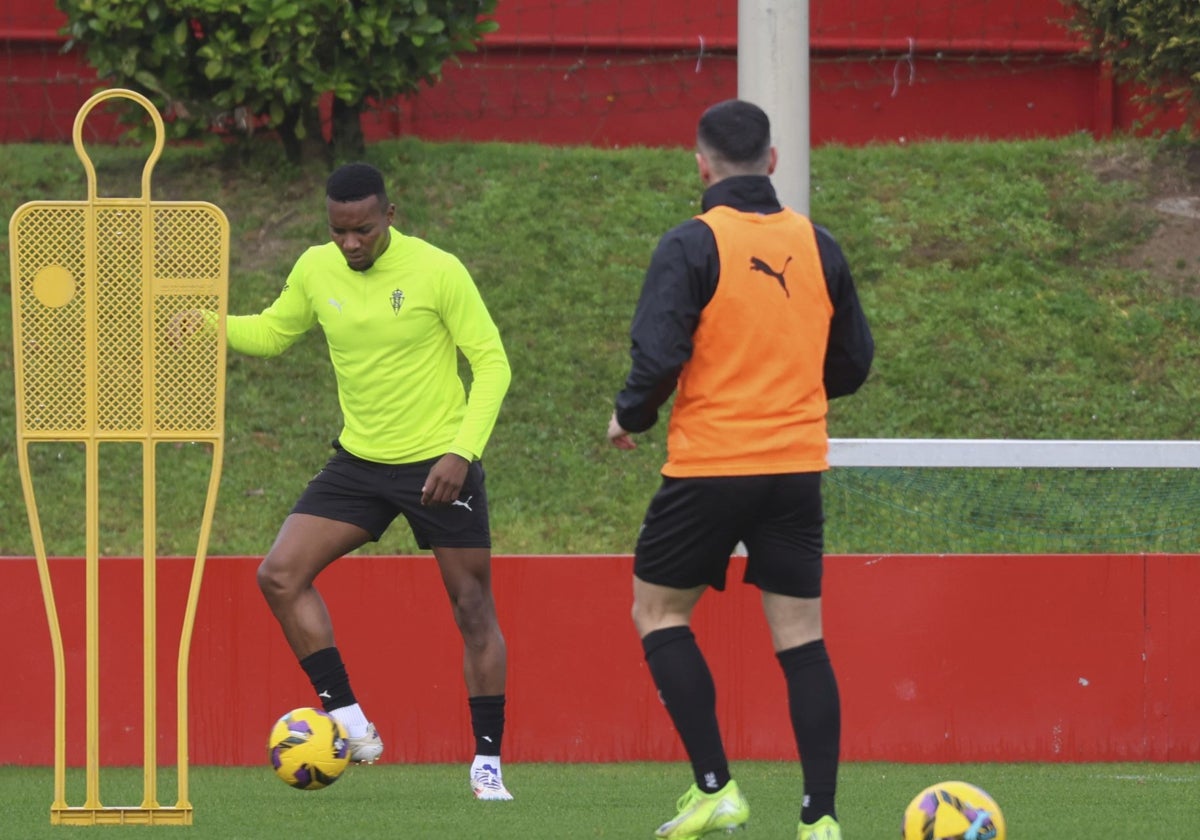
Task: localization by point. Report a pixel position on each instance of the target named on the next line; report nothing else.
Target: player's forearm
(649, 384)
(254, 335)
(490, 378)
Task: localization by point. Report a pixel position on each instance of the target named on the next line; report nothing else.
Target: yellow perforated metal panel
(95, 290)
(100, 289)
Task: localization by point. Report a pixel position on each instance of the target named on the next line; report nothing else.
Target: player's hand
(184, 325)
(445, 480)
(618, 436)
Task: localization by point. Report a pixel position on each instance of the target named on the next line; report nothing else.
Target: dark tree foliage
(265, 65)
(1153, 43)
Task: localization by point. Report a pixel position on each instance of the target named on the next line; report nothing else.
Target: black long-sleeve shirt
(681, 280)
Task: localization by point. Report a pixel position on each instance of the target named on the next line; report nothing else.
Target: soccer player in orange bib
(749, 314)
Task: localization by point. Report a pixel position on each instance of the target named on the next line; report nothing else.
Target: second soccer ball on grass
(953, 811)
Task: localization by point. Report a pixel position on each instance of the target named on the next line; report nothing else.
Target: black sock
(685, 686)
(817, 723)
(328, 677)
(487, 722)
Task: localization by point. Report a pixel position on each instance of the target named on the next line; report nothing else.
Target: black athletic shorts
(693, 526)
(371, 496)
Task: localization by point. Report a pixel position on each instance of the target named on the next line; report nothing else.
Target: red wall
(619, 73)
(940, 659)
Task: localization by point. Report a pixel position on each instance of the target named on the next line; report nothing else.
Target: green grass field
(1009, 287)
(1039, 801)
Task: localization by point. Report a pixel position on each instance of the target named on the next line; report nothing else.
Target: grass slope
(994, 274)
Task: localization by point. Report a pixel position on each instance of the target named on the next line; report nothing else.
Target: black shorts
(371, 496)
(693, 526)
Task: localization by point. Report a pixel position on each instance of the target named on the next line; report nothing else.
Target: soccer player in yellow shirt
(395, 310)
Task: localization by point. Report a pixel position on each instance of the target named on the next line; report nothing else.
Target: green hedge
(251, 65)
(1153, 43)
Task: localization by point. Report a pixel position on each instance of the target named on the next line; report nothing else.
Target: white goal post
(1069, 454)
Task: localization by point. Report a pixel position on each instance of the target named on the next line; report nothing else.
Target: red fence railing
(619, 73)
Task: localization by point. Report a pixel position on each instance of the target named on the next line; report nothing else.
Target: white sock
(353, 719)
(480, 760)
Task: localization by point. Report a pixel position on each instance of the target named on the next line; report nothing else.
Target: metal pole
(773, 73)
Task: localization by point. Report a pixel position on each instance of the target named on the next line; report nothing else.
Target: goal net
(927, 496)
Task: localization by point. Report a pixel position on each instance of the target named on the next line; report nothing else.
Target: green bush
(266, 64)
(1153, 43)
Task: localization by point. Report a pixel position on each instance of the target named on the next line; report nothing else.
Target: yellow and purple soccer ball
(308, 748)
(953, 811)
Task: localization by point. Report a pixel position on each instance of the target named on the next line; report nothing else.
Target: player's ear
(704, 168)
(772, 160)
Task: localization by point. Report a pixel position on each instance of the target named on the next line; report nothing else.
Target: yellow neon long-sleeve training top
(392, 332)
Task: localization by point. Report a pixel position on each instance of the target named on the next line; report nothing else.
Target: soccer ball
(308, 749)
(953, 811)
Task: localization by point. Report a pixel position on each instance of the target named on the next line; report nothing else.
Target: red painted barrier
(940, 659)
(618, 73)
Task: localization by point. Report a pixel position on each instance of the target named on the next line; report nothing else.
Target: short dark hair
(354, 182)
(737, 131)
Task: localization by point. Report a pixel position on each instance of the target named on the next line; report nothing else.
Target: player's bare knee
(477, 623)
(636, 613)
(650, 617)
(273, 580)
